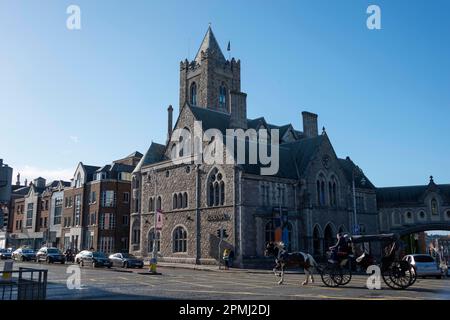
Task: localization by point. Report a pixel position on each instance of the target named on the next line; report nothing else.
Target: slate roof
(210, 44)
(348, 166)
(406, 195)
(154, 154)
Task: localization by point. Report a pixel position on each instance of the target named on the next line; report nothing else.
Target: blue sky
(100, 93)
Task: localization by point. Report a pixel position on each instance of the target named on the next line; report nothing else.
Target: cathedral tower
(210, 81)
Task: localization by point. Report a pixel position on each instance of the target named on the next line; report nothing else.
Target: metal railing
(23, 284)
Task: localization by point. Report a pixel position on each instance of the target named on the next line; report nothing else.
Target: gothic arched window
(151, 205)
(180, 240)
(158, 203)
(434, 207)
(194, 94)
(185, 200)
(321, 190)
(223, 96)
(216, 188)
(175, 201)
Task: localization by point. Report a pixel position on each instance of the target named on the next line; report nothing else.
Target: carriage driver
(340, 246)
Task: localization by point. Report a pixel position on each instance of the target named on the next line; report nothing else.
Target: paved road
(177, 283)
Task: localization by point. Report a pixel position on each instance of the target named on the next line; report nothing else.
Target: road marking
(192, 284)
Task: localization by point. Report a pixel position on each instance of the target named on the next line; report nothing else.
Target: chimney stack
(310, 129)
(18, 179)
(26, 181)
(169, 122)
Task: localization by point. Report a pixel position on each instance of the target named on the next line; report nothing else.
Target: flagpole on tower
(229, 50)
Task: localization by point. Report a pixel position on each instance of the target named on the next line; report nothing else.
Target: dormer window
(101, 176)
(194, 94)
(222, 96)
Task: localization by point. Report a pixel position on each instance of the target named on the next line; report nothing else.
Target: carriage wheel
(330, 276)
(399, 275)
(344, 276)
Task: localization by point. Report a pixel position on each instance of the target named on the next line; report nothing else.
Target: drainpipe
(197, 214)
(240, 219)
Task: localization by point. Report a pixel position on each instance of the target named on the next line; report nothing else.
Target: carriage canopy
(376, 237)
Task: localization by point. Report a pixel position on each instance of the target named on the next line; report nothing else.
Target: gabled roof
(210, 45)
(135, 154)
(90, 169)
(154, 154)
(348, 166)
(120, 167)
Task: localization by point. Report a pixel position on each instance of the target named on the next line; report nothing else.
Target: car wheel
(81, 263)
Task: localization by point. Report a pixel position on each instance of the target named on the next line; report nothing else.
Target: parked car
(5, 254)
(50, 255)
(24, 254)
(424, 264)
(125, 260)
(95, 259)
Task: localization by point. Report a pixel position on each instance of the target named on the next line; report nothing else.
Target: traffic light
(224, 233)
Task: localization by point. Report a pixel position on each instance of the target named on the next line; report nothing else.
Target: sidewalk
(213, 268)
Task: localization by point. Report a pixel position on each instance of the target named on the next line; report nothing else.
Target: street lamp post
(356, 171)
(154, 249)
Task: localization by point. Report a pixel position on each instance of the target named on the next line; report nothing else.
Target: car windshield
(128, 256)
(27, 251)
(423, 259)
(53, 251)
(99, 255)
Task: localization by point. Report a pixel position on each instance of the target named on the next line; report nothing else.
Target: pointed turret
(210, 47)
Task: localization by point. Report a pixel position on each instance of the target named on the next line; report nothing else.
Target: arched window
(175, 201)
(180, 240)
(408, 217)
(269, 232)
(223, 96)
(135, 182)
(332, 191)
(136, 205)
(434, 207)
(151, 204)
(136, 234)
(193, 94)
(158, 203)
(216, 188)
(422, 215)
(78, 181)
(151, 240)
(180, 201)
(329, 237)
(185, 200)
(321, 190)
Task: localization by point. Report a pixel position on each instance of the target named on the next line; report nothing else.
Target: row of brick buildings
(90, 211)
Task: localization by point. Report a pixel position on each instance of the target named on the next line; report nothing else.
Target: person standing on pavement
(226, 257)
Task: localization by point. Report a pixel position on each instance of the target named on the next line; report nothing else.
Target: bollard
(152, 266)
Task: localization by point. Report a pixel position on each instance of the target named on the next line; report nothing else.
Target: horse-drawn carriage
(396, 274)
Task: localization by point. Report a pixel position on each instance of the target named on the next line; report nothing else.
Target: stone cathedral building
(312, 188)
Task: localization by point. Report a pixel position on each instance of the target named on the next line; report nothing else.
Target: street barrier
(23, 284)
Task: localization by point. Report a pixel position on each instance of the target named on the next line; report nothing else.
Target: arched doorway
(316, 241)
